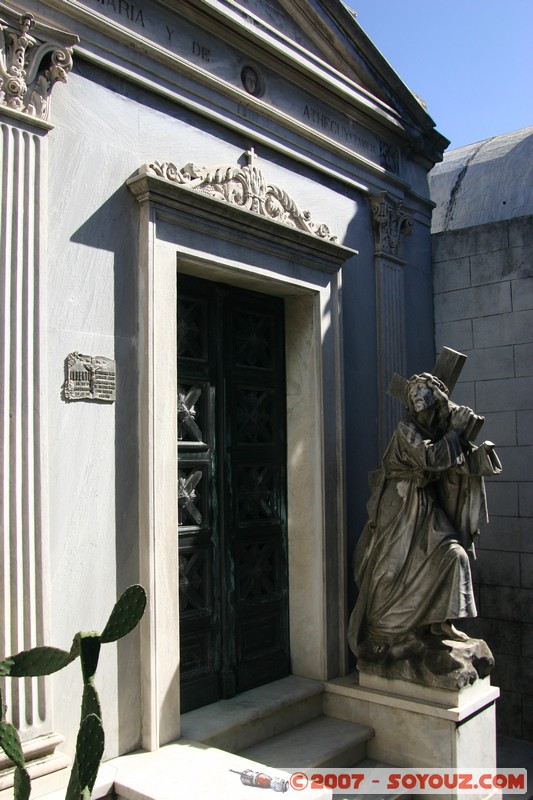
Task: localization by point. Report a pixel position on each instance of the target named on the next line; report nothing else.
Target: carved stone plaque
(90, 378)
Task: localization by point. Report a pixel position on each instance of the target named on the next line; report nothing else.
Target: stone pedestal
(420, 726)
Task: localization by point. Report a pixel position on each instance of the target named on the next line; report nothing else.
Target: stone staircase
(279, 725)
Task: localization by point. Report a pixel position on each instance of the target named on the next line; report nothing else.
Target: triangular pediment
(328, 30)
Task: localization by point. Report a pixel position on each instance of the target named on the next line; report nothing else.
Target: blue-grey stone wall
(483, 297)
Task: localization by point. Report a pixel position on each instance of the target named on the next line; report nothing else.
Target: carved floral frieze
(392, 223)
(31, 64)
(245, 187)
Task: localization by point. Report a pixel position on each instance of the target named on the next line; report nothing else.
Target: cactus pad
(127, 612)
(38, 661)
(10, 744)
(5, 667)
(22, 786)
(90, 703)
(89, 653)
(73, 789)
(44, 661)
(89, 750)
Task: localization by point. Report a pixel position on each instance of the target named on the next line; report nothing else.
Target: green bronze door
(231, 492)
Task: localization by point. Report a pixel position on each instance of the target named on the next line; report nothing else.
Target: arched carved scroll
(245, 187)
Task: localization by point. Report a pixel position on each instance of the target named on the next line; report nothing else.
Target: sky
(471, 61)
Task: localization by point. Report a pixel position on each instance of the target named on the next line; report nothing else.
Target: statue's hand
(461, 419)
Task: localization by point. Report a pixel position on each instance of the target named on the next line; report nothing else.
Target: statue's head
(425, 391)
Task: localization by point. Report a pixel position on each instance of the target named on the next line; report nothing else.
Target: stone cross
(250, 156)
(447, 368)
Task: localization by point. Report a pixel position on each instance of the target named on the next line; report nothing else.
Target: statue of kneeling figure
(412, 562)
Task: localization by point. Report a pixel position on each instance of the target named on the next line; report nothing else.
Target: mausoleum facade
(216, 237)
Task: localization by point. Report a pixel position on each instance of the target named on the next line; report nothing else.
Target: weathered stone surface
(496, 330)
(494, 236)
(509, 718)
(497, 568)
(483, 300)
(501, 427)
(411, 563)
(489, 364)
(497, 395)
(457, 334)
(524, 421)
(503, 498)
(431, 661)
(450, 275)
(523, 359)
(522, 291)
(525, 500)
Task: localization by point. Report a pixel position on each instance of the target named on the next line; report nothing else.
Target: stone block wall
(483, 295)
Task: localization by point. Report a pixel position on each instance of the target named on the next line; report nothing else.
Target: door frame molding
(198, 235)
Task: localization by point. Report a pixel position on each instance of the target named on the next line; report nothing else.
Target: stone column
(391, 224)
(29, 66)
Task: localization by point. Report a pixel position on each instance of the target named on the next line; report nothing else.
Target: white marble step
(253, 716)
(320, 742)
(187, 770)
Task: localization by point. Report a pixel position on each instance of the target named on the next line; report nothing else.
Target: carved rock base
(430, 661)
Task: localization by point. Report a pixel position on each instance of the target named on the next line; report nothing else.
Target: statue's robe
(412, 567)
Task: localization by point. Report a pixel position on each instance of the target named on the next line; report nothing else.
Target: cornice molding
(33, 58)
(391, 223)
(245, 187)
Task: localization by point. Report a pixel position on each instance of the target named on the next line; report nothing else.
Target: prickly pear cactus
(90, 644)
(126, 614)
(90, 703)
(10, 744)
(38, 661)
(22, 785)
(89, 750)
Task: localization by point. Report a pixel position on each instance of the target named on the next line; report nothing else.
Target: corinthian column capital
(392, 223)
(33, 57)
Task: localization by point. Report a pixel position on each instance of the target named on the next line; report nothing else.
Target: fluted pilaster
(392, 223)
(23, 553)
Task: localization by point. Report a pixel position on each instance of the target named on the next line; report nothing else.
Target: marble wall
(116, 113)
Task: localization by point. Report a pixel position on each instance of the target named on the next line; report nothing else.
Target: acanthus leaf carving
(392, 223)
(31, 64)
(245, 187)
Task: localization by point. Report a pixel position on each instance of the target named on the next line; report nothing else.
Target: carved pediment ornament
(30, 65)
(245, 187)
(392, 223)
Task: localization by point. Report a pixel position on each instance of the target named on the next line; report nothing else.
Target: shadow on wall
(114, 228)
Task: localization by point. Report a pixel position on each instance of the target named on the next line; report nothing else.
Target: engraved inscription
(90, 378)
(167, 28)
(124, 8)
(342, 130)
(200, 51)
